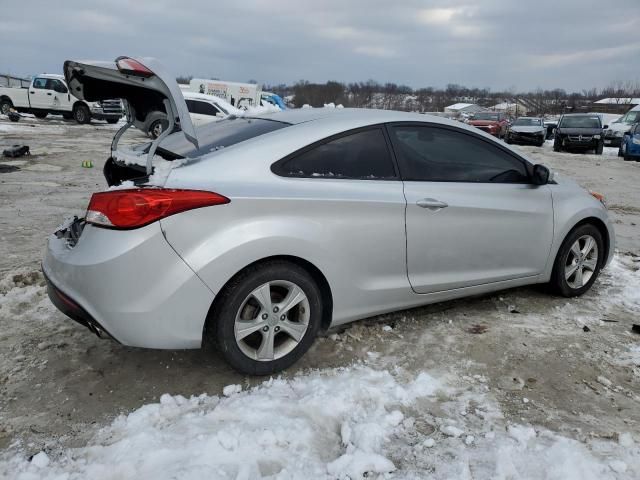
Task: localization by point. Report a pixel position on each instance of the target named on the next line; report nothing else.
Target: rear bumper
(131, 285)
(71, 309)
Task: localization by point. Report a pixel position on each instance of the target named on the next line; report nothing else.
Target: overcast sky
(571, 44)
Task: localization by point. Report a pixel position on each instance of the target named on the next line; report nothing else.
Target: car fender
(569, 212)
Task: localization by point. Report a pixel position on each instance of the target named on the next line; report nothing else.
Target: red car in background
(494, 123)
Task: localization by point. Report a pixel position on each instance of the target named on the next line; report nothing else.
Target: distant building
(511, 108)
(614, 105)
(458, 108)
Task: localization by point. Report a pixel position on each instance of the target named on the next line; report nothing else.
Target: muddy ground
(572, 366)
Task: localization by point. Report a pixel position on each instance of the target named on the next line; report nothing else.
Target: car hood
(620, 127)
(483, 123)
(579, 131)
(526, 128)
(144, 92)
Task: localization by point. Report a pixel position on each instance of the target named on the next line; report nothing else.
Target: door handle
(49, 93)
(432, 204)
(33, 93)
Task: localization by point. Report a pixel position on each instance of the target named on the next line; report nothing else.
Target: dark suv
(579, 131)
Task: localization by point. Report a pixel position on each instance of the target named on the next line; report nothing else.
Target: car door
(472, 215)
(40, 96)
(203, 112)
(60, 95)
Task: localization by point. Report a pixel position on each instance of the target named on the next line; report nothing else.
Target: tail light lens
(134, 208)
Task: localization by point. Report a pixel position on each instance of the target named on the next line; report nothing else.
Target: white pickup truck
(49, 93)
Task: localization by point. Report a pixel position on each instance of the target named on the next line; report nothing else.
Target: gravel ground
(570, 366)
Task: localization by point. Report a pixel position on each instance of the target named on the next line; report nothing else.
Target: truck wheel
(599, 148)
(112, 120)
(5, 106)
(40, 114)
(81, 114)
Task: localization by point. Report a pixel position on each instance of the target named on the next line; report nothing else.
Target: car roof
(50, 75)
(365, 116)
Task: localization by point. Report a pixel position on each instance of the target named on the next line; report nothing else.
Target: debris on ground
(16, 151)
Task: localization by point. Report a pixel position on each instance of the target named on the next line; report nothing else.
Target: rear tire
(40, 114)
(254, 301)
(81, 114)
(578, 262)
(5, 106)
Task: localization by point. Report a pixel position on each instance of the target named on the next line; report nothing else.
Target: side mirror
(541, 175)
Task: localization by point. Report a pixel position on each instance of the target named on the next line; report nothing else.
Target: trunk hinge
(171, 115)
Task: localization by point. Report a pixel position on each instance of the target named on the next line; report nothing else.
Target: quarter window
(443, 155)
(360, 155)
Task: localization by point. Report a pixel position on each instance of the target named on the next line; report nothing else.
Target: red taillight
(132, 67)
(138, 207)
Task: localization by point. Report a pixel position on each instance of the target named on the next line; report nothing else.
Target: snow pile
(620, 283)
(333, 423)
(348, 423)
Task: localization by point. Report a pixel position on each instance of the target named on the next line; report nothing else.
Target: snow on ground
(368, 420)
(342, 423)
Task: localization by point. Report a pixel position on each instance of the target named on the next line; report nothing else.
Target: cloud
(497, 44)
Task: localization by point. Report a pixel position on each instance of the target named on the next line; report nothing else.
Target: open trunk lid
(143, 84)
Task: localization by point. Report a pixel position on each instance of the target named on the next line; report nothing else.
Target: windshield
(580, 122)
(631, 117)
(487, 116)
(216, 135)
(528, 122)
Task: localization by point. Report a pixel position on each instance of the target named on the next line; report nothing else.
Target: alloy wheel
(582, 262)
(272, 320)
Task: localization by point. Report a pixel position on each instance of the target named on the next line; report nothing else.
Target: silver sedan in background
(254, 234)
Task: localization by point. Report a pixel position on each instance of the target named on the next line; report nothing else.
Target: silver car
(255, 234)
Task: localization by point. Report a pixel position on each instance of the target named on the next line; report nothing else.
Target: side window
(40, 83)
(205, 108)
(57, 86)
(191, 106)
(361, 155)
(442, 155)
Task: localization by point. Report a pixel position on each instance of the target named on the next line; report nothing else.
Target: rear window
(216, 135)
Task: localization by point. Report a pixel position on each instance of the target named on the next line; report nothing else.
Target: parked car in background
(494, 123)
(527, 130)
(579, 131)
(630, 145)
(400, 210)
(614, 134)
(49, 94)
(202, 109)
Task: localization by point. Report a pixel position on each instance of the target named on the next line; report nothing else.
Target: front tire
(81, 114)
(578, 262)
(157, 127)
(267, 317)
(599, 148)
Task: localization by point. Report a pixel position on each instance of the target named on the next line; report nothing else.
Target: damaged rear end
(144, 87)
